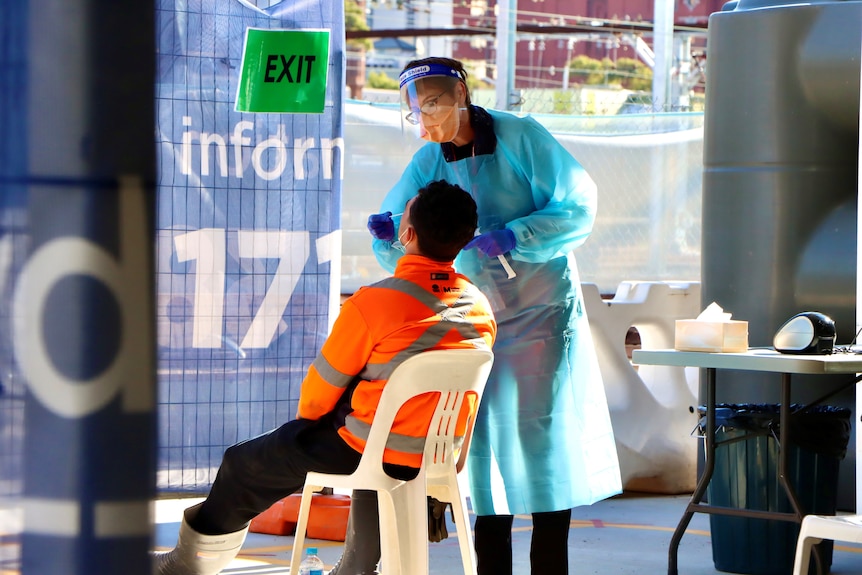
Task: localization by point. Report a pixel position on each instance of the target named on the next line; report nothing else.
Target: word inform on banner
(269, 158)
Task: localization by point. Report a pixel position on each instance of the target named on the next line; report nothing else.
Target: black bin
(746, 477)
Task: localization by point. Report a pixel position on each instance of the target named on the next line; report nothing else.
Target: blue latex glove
(494, 243)
(381, 226)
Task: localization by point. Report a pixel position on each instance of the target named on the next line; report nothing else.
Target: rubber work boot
(197, 554)
(362, 543)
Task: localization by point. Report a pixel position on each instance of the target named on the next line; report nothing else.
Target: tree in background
(380, 81)
(354, 19)
(633, 74)
(625, 72)
(586, 70)
(474, 82)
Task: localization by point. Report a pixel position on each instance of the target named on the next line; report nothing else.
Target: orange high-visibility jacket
(425, 305)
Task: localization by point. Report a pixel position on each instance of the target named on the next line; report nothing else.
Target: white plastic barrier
(653, 408)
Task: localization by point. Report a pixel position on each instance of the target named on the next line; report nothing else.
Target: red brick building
(551, 32)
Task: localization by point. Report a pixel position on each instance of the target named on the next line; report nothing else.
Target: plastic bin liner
(746, 477)
(823, 429)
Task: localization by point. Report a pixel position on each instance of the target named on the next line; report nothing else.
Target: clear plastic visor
(427, 102)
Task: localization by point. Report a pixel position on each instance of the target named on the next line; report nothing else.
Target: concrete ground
(625, 535)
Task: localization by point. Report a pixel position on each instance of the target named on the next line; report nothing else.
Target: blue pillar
(81, 295)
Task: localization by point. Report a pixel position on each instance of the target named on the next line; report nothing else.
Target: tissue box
(715, 336)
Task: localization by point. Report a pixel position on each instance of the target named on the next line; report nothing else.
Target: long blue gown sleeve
(406, 187)
(563, 192)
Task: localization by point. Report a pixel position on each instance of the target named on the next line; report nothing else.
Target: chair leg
(301, 526)
(803, 553)
(390, 538)
(465, 535)
(404, 536)
(448, 488)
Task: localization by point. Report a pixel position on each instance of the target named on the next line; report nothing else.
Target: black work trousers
(256, 473)
(549, 546)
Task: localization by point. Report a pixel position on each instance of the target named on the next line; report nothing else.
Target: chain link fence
(648, 168)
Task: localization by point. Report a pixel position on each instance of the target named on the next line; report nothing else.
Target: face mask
(397, 243)
(443, 129)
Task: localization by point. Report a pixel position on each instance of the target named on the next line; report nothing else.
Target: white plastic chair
(816, 528)
(402, 504)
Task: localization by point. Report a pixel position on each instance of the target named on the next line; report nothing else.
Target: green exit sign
(283, 71)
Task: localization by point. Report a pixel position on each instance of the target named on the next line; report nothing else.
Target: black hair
(451, 63)
(445, 219)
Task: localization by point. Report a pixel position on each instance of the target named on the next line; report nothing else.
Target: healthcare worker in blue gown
(543, 441)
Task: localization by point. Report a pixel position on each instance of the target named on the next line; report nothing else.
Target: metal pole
(570, 45)
(506, 20)
(663, 48)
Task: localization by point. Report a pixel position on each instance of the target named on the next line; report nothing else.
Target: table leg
(784, 447)
(703, 482)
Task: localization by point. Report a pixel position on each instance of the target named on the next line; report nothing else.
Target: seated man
(378, 327)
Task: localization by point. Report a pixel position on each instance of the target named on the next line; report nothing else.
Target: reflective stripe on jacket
(425, 305)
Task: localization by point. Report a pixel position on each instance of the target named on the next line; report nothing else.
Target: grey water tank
(781, 137)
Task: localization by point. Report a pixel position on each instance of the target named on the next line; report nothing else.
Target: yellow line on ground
(579, 523)
(265, 560)
(254, 553)
(251, 553)
(277, 549)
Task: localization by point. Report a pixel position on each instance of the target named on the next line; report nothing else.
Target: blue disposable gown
(543, 439)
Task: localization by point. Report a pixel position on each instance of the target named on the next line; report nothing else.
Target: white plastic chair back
(402, 504)
(816, 528)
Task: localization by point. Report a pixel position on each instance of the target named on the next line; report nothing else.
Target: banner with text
(248, 250)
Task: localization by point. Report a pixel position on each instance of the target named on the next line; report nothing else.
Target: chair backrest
(453, 373)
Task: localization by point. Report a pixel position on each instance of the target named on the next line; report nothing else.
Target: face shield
(429, 106)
